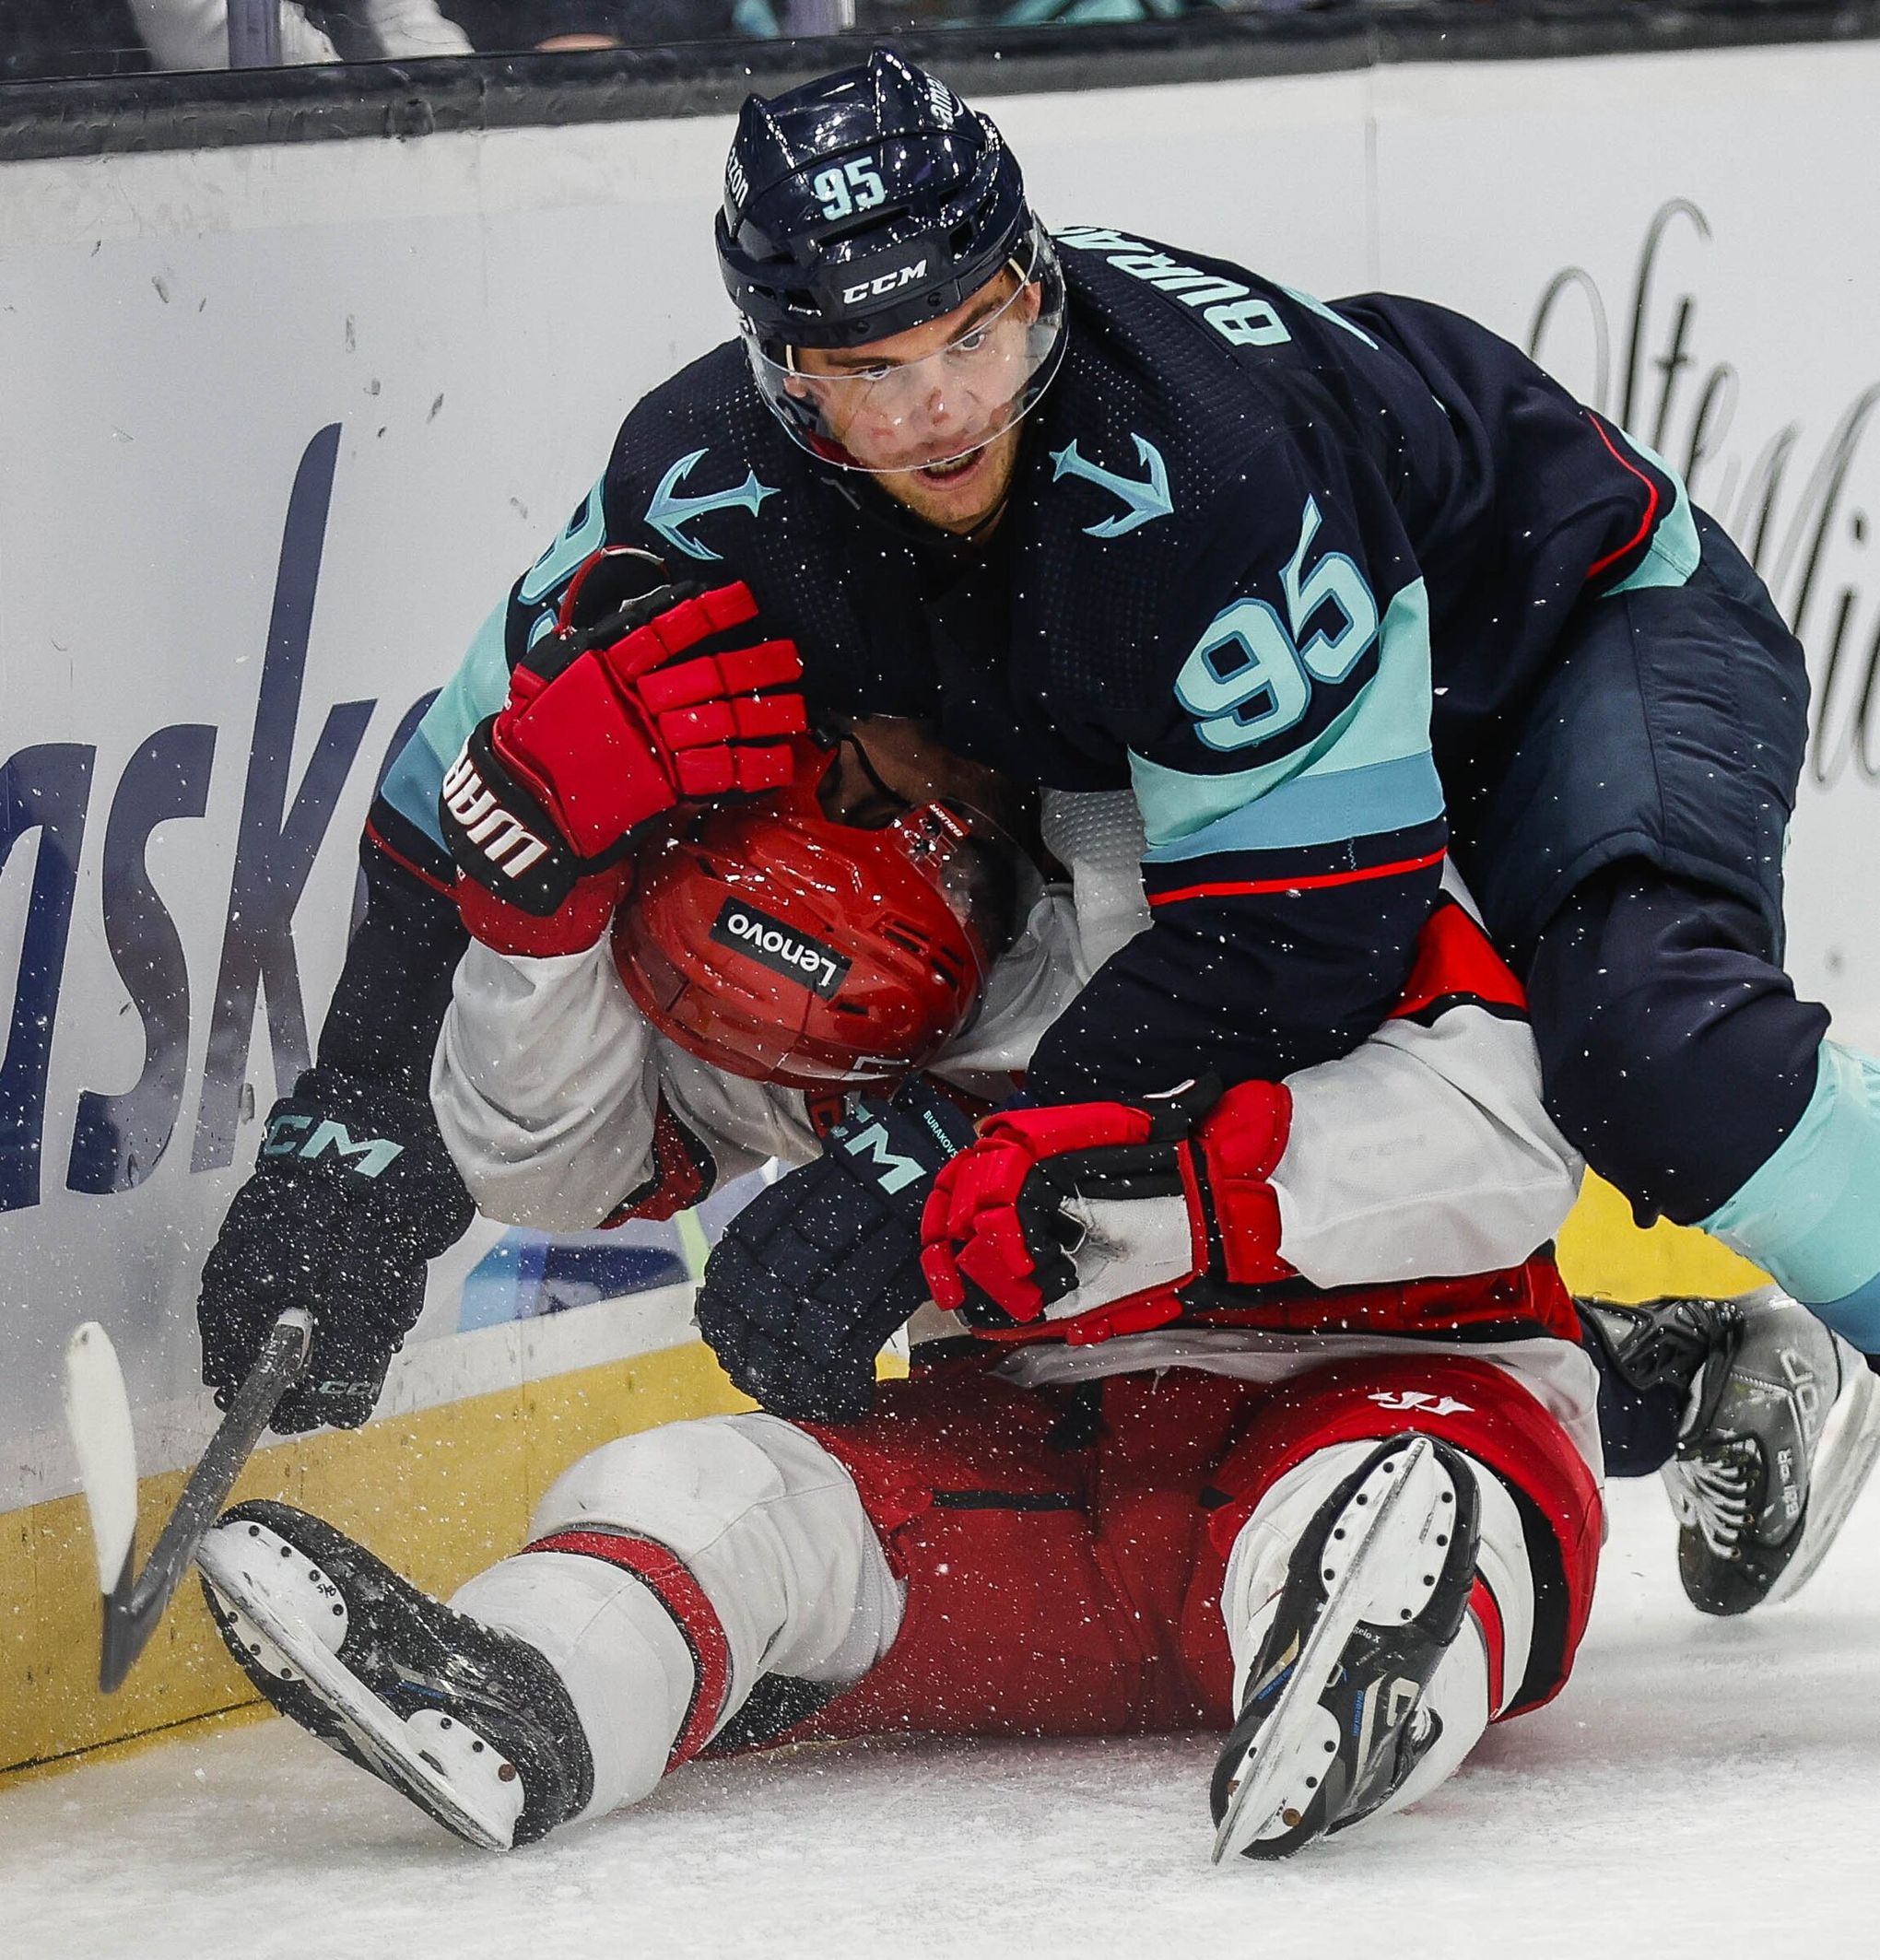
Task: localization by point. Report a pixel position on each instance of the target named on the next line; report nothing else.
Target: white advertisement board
(1692, 243)
(283, 424)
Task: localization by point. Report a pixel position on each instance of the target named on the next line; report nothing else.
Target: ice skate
(472, 1725)
(1333, 1722)
(1781, 1435)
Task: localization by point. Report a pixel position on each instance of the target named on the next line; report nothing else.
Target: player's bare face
(928, 410)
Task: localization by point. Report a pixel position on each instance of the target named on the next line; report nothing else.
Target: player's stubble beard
(968, 504)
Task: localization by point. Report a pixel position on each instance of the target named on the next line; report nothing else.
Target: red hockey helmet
(776, 942)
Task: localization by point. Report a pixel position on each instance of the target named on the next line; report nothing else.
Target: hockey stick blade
(97, 1411)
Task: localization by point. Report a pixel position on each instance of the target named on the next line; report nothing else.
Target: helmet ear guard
(775, 943)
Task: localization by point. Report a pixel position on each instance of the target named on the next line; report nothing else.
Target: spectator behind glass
(44, 40)
(516, 27)
(195, 33)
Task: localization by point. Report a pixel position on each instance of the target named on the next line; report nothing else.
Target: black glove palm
(353, 1192)
(815, 1274)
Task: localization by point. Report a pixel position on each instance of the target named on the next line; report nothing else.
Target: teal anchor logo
(1146, 501)
(668, 512)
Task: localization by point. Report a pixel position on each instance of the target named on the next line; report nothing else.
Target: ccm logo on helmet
(509, 844)
(772, 944)
(890, 282)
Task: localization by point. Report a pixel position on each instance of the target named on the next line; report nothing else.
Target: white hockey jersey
(1425, 1153)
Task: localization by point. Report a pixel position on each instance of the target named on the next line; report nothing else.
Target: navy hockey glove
(352, 1193)
(815, 1274)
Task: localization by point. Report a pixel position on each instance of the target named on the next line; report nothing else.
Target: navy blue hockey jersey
(1294, 573)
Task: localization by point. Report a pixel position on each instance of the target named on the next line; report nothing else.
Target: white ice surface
(1702, 1787)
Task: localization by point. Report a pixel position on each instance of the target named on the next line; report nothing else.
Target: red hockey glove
(1117, 1204)
(606, 726)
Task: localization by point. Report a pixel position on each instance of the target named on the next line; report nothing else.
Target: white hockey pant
(768, 1525)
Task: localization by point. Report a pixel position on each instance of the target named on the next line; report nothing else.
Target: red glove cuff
(1053, 1131)
(1240, 1142)
(574, 925)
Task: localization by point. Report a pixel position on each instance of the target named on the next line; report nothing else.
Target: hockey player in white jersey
(1283, 1431)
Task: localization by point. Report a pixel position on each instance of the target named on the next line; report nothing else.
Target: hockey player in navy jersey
(1331, 591)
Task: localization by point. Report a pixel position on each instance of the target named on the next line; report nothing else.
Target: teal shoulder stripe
(583, 535)
(1320, 809)
(476, 689)
(1388, 722)
(1675, 550)
(412, 785)
(1325, 313)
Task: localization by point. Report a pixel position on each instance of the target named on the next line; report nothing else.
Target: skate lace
(1713, 1496)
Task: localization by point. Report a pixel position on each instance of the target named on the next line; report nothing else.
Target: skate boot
(1376, 1591)
(1781, 1433)
(472, 1724)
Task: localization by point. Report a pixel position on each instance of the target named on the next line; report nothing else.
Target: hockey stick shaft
(134, 1606)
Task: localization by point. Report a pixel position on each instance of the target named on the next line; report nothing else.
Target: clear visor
(988, 882)
(902, 404)
(888, 775)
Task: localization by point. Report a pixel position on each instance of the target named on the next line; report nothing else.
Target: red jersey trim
(670, 1581)
(405, 863)
(1246, 887)
(1454, 956)
(1644, 530)
(1486, 1610)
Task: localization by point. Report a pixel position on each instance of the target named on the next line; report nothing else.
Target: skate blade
(1271, 1780)
(387, 1743)
(1850, 1448)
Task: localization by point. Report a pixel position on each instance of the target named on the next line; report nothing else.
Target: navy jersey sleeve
(404, 817)
(1281, 758)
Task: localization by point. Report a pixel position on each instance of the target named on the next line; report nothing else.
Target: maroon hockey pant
(1064, 1547)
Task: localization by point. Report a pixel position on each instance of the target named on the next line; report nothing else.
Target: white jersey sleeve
(1427, 1151)
(548, 1086)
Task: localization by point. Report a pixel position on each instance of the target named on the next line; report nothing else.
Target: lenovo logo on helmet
(888, 282)
(780, 947)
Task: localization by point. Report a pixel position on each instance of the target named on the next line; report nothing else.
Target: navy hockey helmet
(868, 202)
